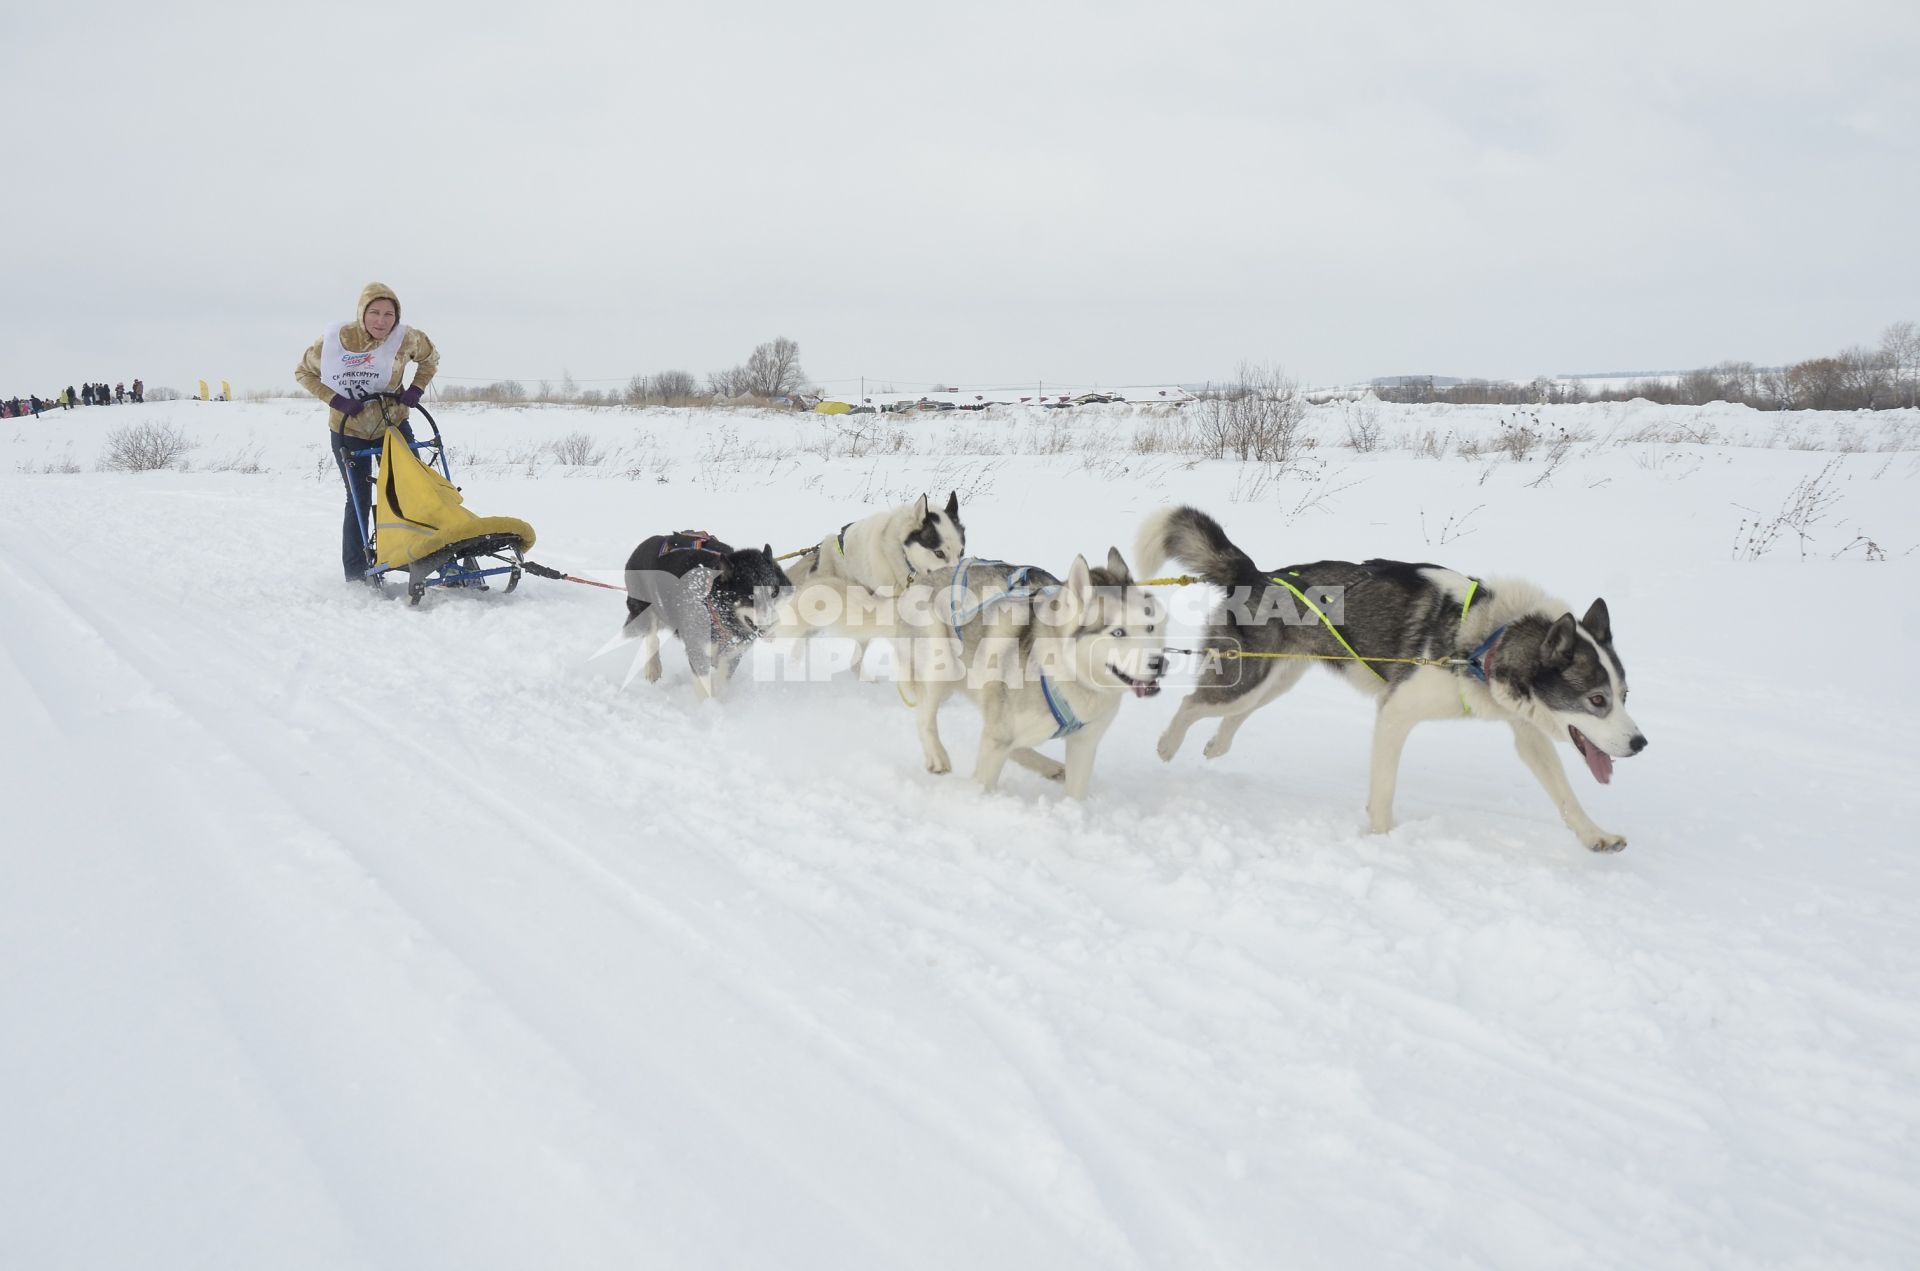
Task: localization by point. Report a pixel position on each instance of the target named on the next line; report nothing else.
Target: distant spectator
(86, 395)
(71, 401)
(120, 392)
(139, 392)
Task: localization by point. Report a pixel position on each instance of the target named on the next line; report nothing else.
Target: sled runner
(419, 524)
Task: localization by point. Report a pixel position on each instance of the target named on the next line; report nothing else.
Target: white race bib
(358, 374)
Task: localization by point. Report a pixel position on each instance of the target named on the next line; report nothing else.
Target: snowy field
(338, 934)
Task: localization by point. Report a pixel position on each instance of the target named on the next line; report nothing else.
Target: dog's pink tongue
(1599, 762)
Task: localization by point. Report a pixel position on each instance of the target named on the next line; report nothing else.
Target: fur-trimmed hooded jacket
(415, 347)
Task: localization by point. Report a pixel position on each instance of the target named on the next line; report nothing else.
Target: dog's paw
(939, 764)
(1598, 840)
(1169, 747)
(1379, 824)
(1217, 746)
(1052, 771)
(652, 671)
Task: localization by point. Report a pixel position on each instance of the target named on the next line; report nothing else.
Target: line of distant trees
(1857, 378)
(771, 372)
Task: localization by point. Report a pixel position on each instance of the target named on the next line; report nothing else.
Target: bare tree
(1699, 387)
(728, 383)
(1900, 344)
(1817, 383)
(1739, 381)
(1868, 378)
(774, 369)
(668, 387)
(1257, 416)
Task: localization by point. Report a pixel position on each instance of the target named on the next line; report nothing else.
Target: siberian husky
(882, 554)
(716, 599)
(1508, 653)
(1043, 658)
(888, 550)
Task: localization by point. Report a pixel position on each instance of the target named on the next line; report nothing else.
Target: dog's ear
(953, 505)
(1076, 593)
(768, 549)
(1597, 623)
(1117, 566)
(1556, 647)
(920, 509)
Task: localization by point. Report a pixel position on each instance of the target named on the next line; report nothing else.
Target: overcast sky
(981, 193)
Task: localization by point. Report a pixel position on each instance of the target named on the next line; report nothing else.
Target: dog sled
(418, 523)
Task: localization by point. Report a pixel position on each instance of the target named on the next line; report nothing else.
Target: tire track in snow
(520, 992)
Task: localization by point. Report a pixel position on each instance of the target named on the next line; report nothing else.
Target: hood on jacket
(376, 291)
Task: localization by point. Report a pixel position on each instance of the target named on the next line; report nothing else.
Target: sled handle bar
(439, 446)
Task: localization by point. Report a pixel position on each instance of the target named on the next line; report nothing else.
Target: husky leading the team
(1442, 645)
(1049, 658)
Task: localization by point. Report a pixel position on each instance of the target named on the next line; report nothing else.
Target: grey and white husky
(1044, 658)
(1507, 652)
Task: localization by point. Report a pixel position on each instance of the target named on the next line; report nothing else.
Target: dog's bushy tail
(1196, 542)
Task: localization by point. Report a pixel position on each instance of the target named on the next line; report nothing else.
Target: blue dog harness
(1066, 723)
(1476, 663)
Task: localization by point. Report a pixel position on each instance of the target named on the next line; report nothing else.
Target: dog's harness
(691, 541)
(1334, 631)
(1016, 579)
(1066, 723)
(1477, 664)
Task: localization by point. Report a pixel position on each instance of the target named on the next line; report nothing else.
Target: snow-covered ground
(338, 934)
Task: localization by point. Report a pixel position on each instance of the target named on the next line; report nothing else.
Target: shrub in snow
(145, 448)
(576, 449)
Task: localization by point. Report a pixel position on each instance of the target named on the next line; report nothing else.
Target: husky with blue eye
(1504, 651)
(1044, 658)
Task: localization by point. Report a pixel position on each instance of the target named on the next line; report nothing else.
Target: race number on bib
(358, 374)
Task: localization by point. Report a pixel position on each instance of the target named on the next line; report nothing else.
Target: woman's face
(379, 318)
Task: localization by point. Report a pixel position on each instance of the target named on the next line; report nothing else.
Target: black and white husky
(1506, 651)
(717, 599)
(888, 550)
(881, 554)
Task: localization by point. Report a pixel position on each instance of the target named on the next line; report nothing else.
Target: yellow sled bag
(418, 512)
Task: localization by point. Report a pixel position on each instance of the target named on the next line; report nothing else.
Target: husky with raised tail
(1426, 642)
